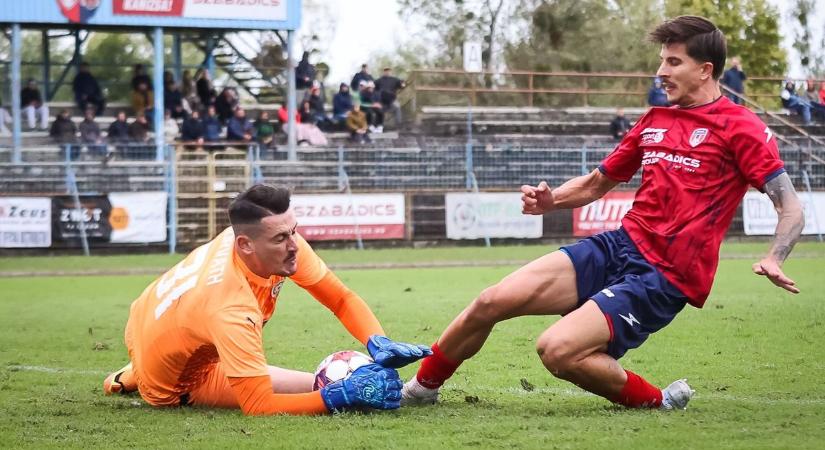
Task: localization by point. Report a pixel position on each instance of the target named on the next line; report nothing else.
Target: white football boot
(413, 393)
(676, 396)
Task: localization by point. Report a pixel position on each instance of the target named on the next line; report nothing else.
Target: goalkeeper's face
(270, 247)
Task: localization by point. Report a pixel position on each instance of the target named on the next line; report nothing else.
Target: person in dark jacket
(139, 76)
(225, 104)
(118, 131)
(239, 128)
(90, 134)
(192, 129)
(387, 88)
(211, 126)
(87, 91)
(371, 106)
(341, 104)
(31, 101)
(173, 101)
(363, 75)
(734, 78)
(304, 75)
(64, 132)
(619, 125)
(657, 96)
(203, 85)
(316, 105)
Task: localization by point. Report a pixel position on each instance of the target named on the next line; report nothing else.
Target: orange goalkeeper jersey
(210, 307)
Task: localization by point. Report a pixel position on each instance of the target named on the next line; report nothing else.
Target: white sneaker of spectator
(379, 129)
(371, 128)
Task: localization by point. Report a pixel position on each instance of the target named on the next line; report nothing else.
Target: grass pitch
(754, 354)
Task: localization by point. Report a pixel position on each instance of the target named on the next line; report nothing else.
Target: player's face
(682, 76)
(275, 248)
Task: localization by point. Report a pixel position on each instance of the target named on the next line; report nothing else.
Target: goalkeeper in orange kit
(194, 335)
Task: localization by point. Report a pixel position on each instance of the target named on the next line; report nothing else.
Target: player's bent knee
(556, 353)
(487, 307)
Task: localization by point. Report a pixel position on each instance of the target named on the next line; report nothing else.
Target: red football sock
(638, 393)
(435, 369)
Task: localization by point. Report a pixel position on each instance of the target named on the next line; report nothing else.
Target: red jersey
(697, 165)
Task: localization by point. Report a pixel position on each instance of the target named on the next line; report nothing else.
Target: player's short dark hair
(703, 40)
(257, 202)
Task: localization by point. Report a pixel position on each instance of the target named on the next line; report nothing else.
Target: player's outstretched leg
(574, 349)
(544, 286)
(120, 382)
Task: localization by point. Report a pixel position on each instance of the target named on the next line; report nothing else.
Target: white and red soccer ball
(338, 366)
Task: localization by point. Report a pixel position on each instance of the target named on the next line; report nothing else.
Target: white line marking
(42, 369)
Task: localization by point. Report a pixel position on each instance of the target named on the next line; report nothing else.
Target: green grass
(161, 262)
(754, 355)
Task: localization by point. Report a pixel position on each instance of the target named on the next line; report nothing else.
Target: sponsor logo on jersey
(652, 157)
(608, 292)
(653, 135)
(276, 289)
(698, 136)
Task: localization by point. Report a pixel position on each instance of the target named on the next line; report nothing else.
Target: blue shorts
(634, 296)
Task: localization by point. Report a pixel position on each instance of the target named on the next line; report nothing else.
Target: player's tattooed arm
(791, 222)
(791, 219)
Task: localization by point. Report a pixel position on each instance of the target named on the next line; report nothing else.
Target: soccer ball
(338, 366)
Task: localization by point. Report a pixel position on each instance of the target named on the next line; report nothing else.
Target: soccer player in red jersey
(614, 289)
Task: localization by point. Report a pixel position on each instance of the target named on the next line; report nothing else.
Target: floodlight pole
(292, 153)
(157, 119)
(16, 129)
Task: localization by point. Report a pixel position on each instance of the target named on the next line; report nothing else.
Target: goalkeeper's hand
(370, 385)
(389, 353)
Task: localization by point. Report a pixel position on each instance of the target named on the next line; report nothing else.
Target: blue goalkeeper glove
(389, 353)
(370, 385)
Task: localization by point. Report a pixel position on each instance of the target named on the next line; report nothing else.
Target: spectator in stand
(388, 87)
(811, 95)
(168, 80)
(64, 131)
(171, 130)
(5, 119)
(357, 125)
(371, 106)
(203, 85)
(619, 125)
(794, 103)
(239, 127)
(304, 75)
(363, 75)
(191, 102)
(305, 133)
(305, 111)
(283, 114)
(264, 130)
(118, 131)
(31, 101)
(316, 106)
(193, 129)
(657, 96)
(90, 134)
(143, 98)
(734, 78)
(87, 92)
(139, 77)
(211, 125)
(341, 104)
(822, 92)
(173, 101)
(139, 130)
(226, 103)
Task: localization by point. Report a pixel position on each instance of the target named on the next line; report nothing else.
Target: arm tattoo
(791, 219)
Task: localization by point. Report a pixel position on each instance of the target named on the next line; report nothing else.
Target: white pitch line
(469, 390)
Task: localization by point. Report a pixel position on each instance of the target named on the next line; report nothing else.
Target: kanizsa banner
(25, 222)
(602, 215)
(486, 214)
(760, 219)
(204, 9)
(345, 217)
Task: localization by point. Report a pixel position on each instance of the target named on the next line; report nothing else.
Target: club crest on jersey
(276, 289)
(698, 136)
(653, 135)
